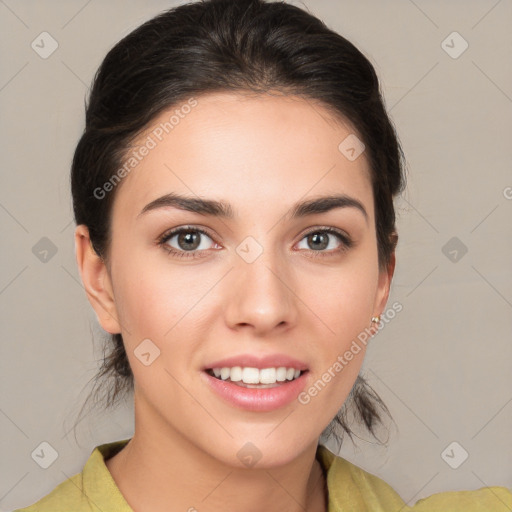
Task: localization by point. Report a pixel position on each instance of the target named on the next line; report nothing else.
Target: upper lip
(252, 361)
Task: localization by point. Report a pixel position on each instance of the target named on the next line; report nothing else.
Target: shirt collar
(99, 484)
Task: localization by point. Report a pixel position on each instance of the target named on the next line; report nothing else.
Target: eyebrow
(224, 210)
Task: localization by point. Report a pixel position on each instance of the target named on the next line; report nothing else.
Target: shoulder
(352, 488)
(92, 489)
(486, 499)
(66, 496)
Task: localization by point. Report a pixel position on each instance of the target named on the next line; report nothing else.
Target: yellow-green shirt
(350, 488)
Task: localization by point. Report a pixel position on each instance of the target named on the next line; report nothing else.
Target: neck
(158, 467)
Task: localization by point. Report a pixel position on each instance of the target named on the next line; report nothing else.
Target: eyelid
(344, 237)
(177, 253)
(174, 231)
(328, 229)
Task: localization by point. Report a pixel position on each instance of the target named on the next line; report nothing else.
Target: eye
(185, 242)
(325, 238)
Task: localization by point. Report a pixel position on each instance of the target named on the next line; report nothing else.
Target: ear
(96, 281)
(384, 285)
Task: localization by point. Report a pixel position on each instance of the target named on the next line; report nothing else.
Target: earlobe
(96, 281)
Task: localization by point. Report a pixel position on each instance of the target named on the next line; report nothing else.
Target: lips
(256, 398)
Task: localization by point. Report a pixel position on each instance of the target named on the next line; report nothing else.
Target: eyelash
(162, 241)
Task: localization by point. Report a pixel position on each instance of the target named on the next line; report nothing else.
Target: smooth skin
(261, 154)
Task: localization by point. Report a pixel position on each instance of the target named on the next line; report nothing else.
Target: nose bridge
(262, 295)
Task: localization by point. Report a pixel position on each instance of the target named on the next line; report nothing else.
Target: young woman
(233, 193)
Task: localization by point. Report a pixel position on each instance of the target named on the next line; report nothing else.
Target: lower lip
(260, 400)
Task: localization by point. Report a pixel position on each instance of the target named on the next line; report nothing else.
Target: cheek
(168, 304)
(355, 297)
(346, 318)
(157, 306)
(150, 295)
(343, 298)
(344, 302)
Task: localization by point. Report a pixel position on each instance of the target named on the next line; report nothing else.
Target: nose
(260, 296)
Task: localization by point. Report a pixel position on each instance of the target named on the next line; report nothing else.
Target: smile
(255, 376)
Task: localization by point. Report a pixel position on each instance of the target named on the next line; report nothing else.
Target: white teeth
(281, 374)
(268, 376)
(249, 375)
(236, 374)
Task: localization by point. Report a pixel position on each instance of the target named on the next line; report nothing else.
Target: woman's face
(265, 281)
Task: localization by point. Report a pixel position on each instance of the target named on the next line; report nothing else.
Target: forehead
(250, 150)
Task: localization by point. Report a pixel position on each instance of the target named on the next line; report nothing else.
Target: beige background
(442, 365)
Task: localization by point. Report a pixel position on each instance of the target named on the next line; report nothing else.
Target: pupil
(187, 239)
(316, 237)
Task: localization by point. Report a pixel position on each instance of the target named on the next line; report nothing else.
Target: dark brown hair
(230, 45)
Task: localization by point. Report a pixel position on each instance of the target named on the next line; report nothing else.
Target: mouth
(263, 389)
(250, 377)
